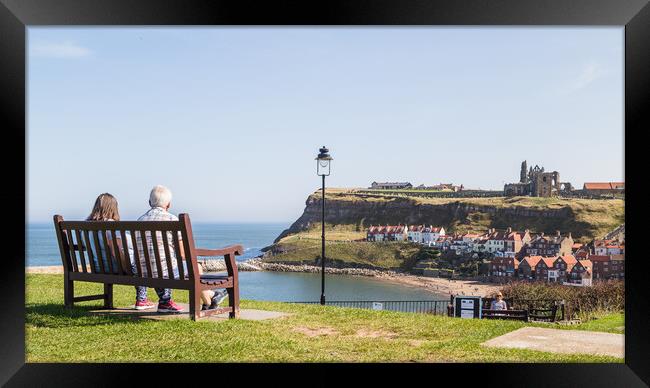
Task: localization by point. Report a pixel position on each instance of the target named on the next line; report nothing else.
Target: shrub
(580, 302)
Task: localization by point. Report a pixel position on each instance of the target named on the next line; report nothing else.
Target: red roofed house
(415, 233)
(564, 264)
(527, 266)
(551, 245)
(503, 266)
(397, 233)
(581, 273)
(376, 233)
(545, 269)
(599, 188)
(608, 266)
(430, 234)
(515, 241)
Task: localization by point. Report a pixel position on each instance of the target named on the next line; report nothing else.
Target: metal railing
(437, 307)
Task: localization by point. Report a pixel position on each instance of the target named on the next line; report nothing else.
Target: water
(42, 249)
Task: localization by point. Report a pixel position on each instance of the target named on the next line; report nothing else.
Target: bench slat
(179, 256)
(156, 254)
(73, 254)
(118, 252)
(98, 251)
(89, 249)
(107, 251)
(82, 256)
(168, 256)
(145, 251)
(136, 252)
(132, 280)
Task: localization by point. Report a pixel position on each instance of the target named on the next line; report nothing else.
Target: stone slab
(561, 341)
(246, 314)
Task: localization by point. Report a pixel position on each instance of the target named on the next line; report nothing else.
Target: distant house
(556, 245)
(503, 266)
(527, 266)
(376, 233)
(581, 273)
(387, 233)
(415, 233)
(544, 268)
(397, 233)
(563, 264)
(390, 185)
(608, 266)
(600, 188)
(515, 241)
(430, 234)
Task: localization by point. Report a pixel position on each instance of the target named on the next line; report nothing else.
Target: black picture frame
(17, 15)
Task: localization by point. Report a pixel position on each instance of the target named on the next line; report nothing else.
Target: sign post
(467, 306)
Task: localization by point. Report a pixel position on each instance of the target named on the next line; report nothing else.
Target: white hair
(160, 196)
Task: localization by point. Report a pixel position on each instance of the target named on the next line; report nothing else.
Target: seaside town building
(527, 267)
(581, 274)
(603, 188)
(503, 267)
(608, 266)
(390, 185)
(387, 233)
(556, 245)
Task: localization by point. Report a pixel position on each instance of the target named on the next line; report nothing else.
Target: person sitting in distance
(498, 303)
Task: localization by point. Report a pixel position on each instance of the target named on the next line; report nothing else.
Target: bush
(580, 302)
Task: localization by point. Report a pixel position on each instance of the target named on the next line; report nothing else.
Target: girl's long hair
(105, 209)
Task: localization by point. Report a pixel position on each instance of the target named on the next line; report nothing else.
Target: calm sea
(42, 249)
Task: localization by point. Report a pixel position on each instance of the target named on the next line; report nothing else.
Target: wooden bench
(544, 315)
(82, 247)
(518, 315)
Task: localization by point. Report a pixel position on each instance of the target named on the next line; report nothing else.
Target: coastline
(435, 285)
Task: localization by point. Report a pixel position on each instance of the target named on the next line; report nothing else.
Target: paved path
(246, 314)
(562, 341)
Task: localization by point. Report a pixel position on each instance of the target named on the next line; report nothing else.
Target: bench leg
(108, 296)
(195, 304)
(233, 301)
(68, 292)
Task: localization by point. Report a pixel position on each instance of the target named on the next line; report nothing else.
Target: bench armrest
(229, 250)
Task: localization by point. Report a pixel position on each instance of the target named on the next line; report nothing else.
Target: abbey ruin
(536, 182)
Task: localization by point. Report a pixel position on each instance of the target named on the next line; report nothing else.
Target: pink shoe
(169, 307)
(144, 304)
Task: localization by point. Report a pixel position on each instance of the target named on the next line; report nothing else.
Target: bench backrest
(159, 249)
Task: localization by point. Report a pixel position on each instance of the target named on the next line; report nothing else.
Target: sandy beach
(435, 285)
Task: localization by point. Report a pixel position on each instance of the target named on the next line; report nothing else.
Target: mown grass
(610, 323)
(56, 334)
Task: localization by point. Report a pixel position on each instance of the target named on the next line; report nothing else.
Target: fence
(437, 307)
(537, 307)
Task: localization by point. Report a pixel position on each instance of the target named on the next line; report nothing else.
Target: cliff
(584, 218)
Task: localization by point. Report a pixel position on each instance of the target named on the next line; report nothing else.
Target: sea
(42, 250)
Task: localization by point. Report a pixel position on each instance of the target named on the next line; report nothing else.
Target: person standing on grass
(498, 303)
(160, 200)
(106, 209)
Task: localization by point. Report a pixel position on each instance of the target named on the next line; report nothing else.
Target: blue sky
(230, 119)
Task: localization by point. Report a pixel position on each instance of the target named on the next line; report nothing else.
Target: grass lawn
(312, 334)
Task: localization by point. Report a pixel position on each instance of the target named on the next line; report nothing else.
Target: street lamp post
(323, 169)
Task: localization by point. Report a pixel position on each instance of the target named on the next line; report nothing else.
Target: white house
(376, 233)
(430, 234)
(496, 241)
(415, 233)
(397, 233)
